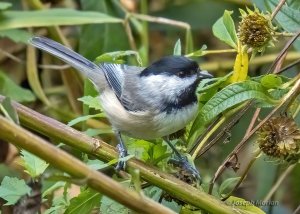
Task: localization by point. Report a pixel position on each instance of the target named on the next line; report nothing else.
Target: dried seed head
(279, 137)
(256, 30)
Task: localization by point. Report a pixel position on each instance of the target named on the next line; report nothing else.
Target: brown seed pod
(256, 30)
(279, 137)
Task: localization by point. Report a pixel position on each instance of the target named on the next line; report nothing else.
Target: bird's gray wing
(115, 75)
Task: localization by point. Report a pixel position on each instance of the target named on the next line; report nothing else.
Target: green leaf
(199, 52)
(240, 203)
(84, 202)
(10, 110)
(234, 94)
(54, 187)
(95, 164)
(34, 166)
(84, 118)
(10, 89)
(227, 185)
(12, 189)
(91, 102)
(177, 48)
(16, 35)
(288, 17)
(109, 206)
(271, 81)
(116, 57)
(5, 5)
(224, 29)
(140, 149)
(52, 17)
(206, 84)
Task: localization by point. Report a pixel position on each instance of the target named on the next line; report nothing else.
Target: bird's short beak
(204, 74)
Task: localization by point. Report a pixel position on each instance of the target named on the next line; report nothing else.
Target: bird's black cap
(171, 65)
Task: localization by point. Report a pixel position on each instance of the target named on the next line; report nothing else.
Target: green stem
(214, 129)
(144, 34)
(245, 173)
(74, 167)
(62, 133)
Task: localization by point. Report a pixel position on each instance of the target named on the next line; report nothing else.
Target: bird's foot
(122, 154)
(187, 172)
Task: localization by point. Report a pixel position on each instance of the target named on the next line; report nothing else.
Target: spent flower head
(279, 137)
(255, 30)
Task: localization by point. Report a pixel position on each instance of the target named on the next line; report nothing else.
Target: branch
(63, 161)
(60, 132)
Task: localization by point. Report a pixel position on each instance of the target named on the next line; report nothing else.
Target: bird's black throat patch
(186, 97)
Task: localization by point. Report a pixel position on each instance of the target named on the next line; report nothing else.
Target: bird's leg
(183, 162)
(122, 152)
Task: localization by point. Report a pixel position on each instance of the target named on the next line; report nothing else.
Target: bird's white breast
(145, 125)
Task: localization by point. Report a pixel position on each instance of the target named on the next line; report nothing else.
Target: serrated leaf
(229, 183)
(231, 95)
(52, 17)
(271, 81)
(10, 89)
(5, 5)
(34, 166)
(240, 203)
(116, 57)
(12, 189)
(84, 202)
(91, 102)
(224, 30)
(16, 35)
(84, 118)
(177, 48)
(109, 206)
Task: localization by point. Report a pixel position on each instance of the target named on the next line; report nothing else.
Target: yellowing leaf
(240, 69)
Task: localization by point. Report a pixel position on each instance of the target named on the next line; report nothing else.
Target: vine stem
(63, 161)
(71, 137)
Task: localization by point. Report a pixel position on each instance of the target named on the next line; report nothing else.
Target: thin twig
(10, 56)
(284, 50)
(289, 66)
(161, 20)
(279, 181)
(276, 10)
(297, 210)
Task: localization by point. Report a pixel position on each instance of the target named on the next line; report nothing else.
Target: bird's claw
(189, 173)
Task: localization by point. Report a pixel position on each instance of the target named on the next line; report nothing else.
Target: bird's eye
(181, 74)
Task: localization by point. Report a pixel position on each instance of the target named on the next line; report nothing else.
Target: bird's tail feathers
(85, 66)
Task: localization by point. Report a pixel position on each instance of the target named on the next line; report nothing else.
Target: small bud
(279, 137)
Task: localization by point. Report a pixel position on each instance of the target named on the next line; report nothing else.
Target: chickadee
(145, 103)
